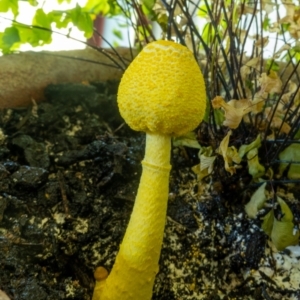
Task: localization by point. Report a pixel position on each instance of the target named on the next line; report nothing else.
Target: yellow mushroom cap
(163, 90)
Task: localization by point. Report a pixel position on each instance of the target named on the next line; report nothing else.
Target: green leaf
(41, 19)
(82, 20)
(272, 65)
(289, 155)
(188, 140)
(208, 33)
(256, 202)
(268, 221)
(33, 2)
(8, 38)
(297, 135)
(85, 23)
(148, 4)
(60, 18)
(117, 33)
(33, 36)
(255, 169)
(6, 5)
(219, 116)
(246, 148)
(266, 23)
(96, 6)
(283, 234)
(202, 12)
(287, 213)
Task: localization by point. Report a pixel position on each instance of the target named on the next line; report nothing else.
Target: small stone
(29, 176)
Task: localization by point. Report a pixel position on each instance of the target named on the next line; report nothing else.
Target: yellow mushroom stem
(136, 265)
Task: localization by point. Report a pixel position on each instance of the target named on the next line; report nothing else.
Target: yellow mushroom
(163, 94)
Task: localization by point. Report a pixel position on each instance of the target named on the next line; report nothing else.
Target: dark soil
(69, 171)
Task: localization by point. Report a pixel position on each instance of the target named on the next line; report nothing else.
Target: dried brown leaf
(234, 110)
(258, 103)
(285, 47)
(277, 120)
(270, 83)
(267, 6)
(246, 9)
(3, 296)
(290, 10)
(294, 30)
(246, 68)
(292, 89)
(229, 154)
(277, 123)
(262, 42)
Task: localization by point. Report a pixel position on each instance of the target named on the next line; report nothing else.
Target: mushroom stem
(132, 276)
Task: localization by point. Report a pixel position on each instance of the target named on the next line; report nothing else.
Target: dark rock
(35, 153)
(29, 177)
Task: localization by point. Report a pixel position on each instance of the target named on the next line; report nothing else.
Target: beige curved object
(24, 76)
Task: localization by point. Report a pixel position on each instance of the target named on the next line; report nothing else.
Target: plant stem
(136, 265)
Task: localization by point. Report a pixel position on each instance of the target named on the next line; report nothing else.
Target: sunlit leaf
(60, 18)
(202, 11)
(33, 36)
(97, 6)
(12, 5)
(82, 20)
(41, 19)
(256, 202)
(33, 2)
(149, 4)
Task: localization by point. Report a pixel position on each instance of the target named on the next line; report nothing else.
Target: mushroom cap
(163, 90)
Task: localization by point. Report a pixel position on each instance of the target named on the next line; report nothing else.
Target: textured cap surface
(163, 91)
